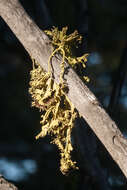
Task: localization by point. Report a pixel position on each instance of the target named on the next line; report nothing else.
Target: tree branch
(39, 47)
(5, 185)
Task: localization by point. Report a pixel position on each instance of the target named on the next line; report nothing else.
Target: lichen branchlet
(58, 113)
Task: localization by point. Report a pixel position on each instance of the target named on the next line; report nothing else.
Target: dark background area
(34, 164)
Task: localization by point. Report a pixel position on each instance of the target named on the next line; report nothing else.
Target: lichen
(57, 112)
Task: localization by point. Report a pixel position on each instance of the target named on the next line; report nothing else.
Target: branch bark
(39, 47)
(5, 185)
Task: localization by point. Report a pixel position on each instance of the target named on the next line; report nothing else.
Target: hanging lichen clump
(58, 113)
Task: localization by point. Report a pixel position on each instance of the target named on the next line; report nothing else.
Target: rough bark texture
(39, 47)
(5, 185)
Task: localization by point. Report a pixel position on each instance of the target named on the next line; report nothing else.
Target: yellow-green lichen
(63, 44)
(58, 113)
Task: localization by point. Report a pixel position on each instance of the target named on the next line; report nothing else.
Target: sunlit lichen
(63, 44)
(58, 113)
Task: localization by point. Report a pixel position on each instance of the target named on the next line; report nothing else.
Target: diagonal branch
(39, 47)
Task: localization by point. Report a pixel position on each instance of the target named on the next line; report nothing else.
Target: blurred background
(34, 164)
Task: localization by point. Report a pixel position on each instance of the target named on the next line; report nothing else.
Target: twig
(5, 185)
